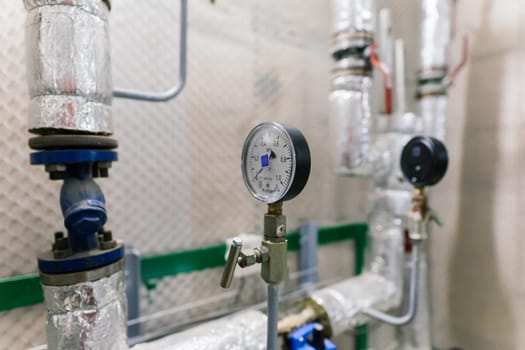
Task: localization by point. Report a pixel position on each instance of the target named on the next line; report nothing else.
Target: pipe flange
(438, 73)
(65, 279)
(431, 89)
(343, 41)
(361, 72)
(360, 61)
(70, 262)
(321, 316)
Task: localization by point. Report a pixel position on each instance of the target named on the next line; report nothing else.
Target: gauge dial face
(275, 162)
(268, 162)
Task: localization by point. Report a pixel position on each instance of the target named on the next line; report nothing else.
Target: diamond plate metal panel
(178, 183)
(22, 328)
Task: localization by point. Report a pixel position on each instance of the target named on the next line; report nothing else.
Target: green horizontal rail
(20, 291)
(26, 290)
(154, 268)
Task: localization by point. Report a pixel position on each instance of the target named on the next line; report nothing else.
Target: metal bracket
(133, 283)
(177, 89)
(308, 253)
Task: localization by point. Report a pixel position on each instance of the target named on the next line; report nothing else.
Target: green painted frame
(22, 291)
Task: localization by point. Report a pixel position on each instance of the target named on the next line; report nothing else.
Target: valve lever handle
(231, 263)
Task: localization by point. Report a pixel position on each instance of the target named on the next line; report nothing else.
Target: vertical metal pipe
(435, 34)
(68, 67)
(133, 281)
(400, 75)
(308, 253)
(273, 316)
(385, 37)
(413, 296)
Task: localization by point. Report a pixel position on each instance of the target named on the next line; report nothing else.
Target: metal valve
(231, 263)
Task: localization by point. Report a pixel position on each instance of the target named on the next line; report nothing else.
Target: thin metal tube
(273, 316)
(177, 89)
(385, 37)
(413, 295)
(399, 51)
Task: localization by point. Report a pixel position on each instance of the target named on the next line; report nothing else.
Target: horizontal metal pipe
(177, 89)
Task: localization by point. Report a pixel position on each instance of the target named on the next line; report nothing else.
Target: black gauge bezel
(301, 162)
(433, 161)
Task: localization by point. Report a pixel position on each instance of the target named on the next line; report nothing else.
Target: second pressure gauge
(275, 162)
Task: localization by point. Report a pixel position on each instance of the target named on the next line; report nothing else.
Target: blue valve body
(83, 206)
(299, 339)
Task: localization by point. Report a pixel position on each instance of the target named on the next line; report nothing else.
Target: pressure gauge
(275, 162)
(424, 161)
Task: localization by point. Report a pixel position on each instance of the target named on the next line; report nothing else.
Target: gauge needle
(255, 177)
(265, 162)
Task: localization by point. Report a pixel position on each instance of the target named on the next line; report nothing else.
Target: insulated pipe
(339, 306)
(352, 120)
(352, 124)
(413, 296)
(353, 16)
(70, 88)
(87, 315)
(68, 67)
(432, 91)
(244, 330)
(435, 34)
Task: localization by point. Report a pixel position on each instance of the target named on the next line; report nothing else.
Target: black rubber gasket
(60, 142)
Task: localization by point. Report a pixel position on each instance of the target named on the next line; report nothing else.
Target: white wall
(477, 261)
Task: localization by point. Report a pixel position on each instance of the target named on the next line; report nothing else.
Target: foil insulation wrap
(353, 16)
(351, 124)
(68, 66)
(433, 111)
(241, 331)
(435, 33)
(89, 315)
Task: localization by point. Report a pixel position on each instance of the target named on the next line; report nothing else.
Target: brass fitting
(420, 215)
(417, 215)
(275, 208)
(310, 311)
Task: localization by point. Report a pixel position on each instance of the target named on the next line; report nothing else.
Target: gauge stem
(275, 208)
